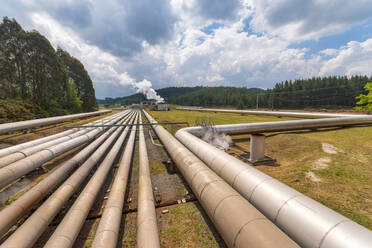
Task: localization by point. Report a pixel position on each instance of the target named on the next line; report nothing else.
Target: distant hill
(316, 92)
(189, 96)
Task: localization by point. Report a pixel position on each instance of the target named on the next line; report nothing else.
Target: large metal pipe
(264, 127)
(28, 233)
(19, 168)
(306, 221)
(8, 127)
(21, 154)
(312, 115)
(108, 229)
(147, 229)
(13, 212)
(238, 222)
(69, 228)
(16, 148)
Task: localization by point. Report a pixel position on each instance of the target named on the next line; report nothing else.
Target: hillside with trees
(317, 92)
(39, 79)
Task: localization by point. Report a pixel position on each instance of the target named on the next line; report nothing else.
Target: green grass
(193, 117)
(157, 167)
(177, 228)
(346, 185)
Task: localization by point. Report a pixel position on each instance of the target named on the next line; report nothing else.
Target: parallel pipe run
(312, 115)
(69, 228)
(20, 168)
(108, 229)
(238, 222)
(264, 127)
(12, 213)
(8, 127)
(21, 154)
(306, 221)
(16, 148)
(147, 229)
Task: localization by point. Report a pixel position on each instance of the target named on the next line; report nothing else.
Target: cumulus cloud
(353, 59)
(135, 46)
(307, 19)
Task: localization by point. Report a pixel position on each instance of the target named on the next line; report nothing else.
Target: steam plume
(144, 87)
(219, 140)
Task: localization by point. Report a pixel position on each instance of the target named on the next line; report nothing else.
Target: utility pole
(257, 102)
(272, 103)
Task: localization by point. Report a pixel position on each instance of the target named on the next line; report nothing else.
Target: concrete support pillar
(257, 147)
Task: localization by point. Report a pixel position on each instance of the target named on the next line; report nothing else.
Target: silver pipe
(28, 233)
(68, 135)
(147, 229)
(238, 222)
(12, 213)
(8, 127)
(277, 126)
(306, 221)
(271, 113)
(69, 228)
(21, 167)
(16, 148)
(107, 232)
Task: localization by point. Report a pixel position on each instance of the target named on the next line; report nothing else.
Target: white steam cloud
(144, 87)
(219, 140)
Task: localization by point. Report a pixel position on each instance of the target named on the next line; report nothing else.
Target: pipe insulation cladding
(21, 167)
(238, 222)
(68, 230)
(8, 127)
(27, 234)
(306, 221)
(68, 135)
(21, 206)
(147, 229)
(107, 232)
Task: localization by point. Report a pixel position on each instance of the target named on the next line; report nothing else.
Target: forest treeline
(317, 92)
(33, 72)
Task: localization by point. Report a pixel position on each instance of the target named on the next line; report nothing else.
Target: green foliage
(31, 70)
(330, 92)
(19, 110)
(77, 73)
(240, 105)
(73, 101)
(365, 100)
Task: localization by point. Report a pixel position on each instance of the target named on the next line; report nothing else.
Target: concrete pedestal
(257, 151)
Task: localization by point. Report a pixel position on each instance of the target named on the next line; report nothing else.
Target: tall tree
(77, 74)
(365, 101)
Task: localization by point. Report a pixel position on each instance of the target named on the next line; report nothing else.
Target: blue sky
(158, 43)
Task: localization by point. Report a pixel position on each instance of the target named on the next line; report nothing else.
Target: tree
(365, 101)
(240, 104)
(77, 73)
(31, 70)
(73, 101)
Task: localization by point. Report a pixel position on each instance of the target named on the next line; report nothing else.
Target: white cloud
(308, 19)
(230, 54)
(353, 59)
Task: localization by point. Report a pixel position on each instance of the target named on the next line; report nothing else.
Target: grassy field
(330, 166)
